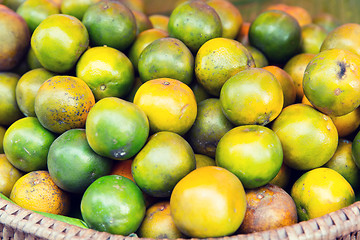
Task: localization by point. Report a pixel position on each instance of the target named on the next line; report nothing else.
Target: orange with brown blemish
(332, 82)
(268, 202)
(158, 223)
(37, 191)
(218, 60)
(63, 103)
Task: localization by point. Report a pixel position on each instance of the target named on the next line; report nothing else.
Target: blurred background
(343, 10)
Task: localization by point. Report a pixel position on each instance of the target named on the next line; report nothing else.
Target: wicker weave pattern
(17, 223)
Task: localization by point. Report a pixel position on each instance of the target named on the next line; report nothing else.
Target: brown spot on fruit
(268, 202)
(338, 91)
(342, 71)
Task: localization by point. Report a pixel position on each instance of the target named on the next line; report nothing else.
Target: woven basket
(18, 223)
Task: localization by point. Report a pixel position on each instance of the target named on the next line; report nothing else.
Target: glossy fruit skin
(122, 168)
(32, 61)
(26, 144)
(116, 198)
(194, 23)
(35, 11)
(313, 37)
(321, 191)
(76, 8)
(107, 71)
(218, 203)
(253, 96)
(110, 23)
(343, 37)
(265, 203)
(9, 108)
(343, 162)
(142, 41)
(166, 58)
(259, 58)
(15, 39)
(276, 34)
(27, 88)
(37, 191)
(158, 223)
(142, 22)
(230, 16)
(63, 103)
(348, 123)
(296, 67)
(72, 164)
(286, 82)
(164, 160)
(159, 21)
(209, 127)
(116, 129)
(203, 161)
(332, 81)
(9, 175)
(49, 46)
(252, 152)
(169, 104)
(219, 59)
(303, 131)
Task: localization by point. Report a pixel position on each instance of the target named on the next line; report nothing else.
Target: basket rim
(15, 220)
